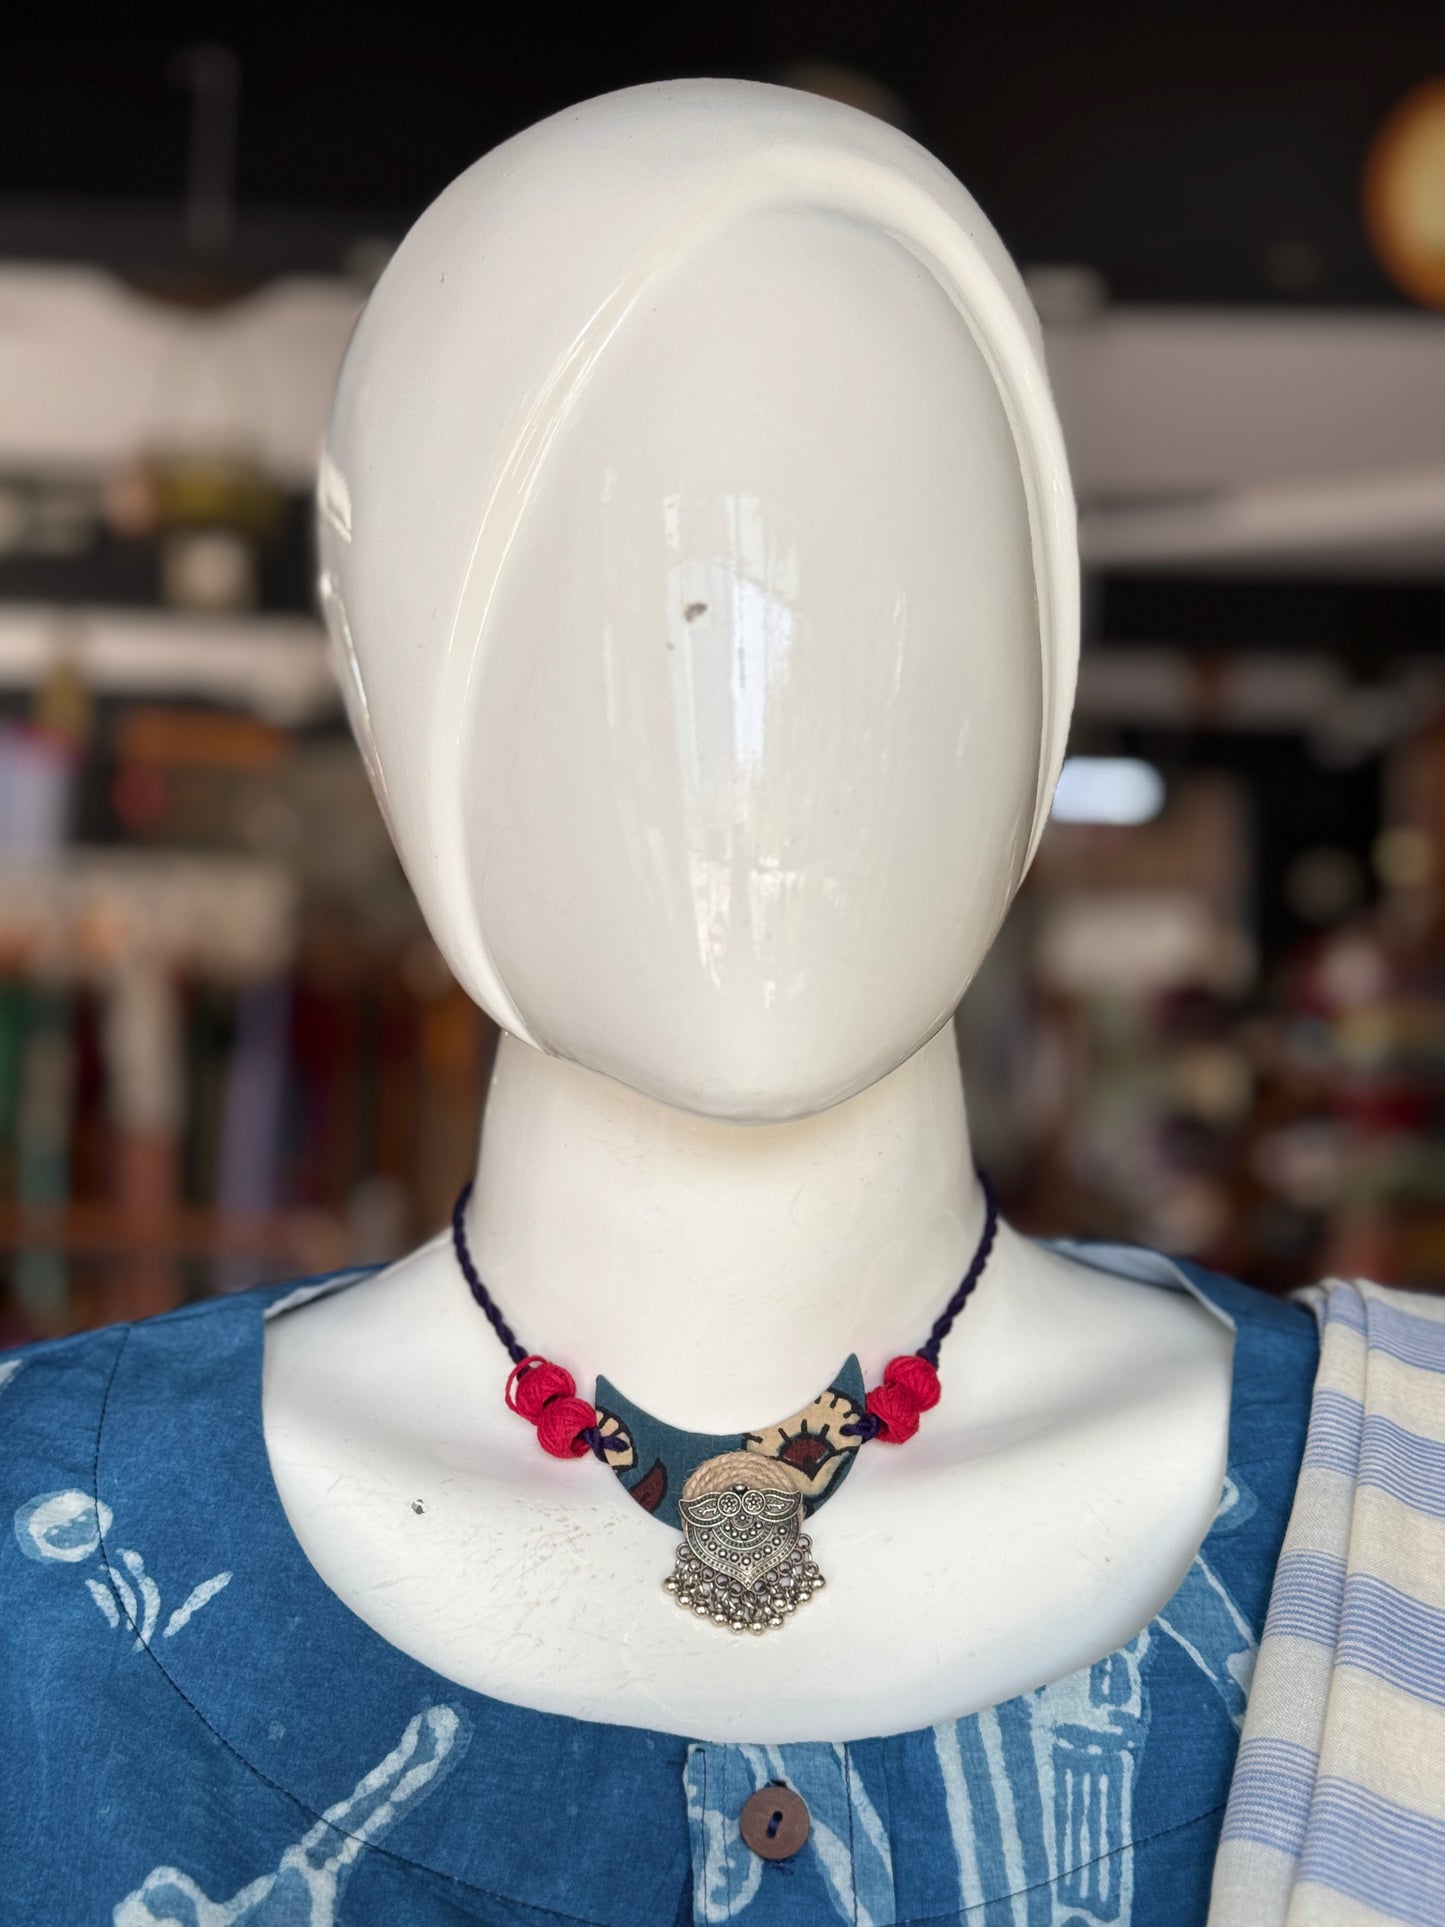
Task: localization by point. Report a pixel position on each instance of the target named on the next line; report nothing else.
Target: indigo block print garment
(195, 1732)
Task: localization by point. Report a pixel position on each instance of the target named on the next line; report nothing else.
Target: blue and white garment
(196, 1732)
(1337, 1812)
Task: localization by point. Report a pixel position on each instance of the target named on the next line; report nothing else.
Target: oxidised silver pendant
(744, 1561)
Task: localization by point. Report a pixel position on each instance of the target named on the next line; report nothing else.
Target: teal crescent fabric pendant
(739, 1499)
(809, 1447)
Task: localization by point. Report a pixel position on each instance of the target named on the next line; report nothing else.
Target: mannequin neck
(720, 1273)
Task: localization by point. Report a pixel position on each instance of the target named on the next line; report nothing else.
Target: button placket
(800, 1870)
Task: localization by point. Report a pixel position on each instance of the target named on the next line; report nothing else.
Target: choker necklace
(739, 1500)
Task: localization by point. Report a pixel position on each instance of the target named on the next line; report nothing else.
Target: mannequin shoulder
(318, 1328)
(377, 1360)
(1068, 1317)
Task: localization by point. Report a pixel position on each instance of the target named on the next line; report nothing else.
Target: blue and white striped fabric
(1337, 1811)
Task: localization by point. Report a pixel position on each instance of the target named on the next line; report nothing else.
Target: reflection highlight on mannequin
(714, 779)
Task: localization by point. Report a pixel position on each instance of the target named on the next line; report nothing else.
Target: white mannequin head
(697, 542)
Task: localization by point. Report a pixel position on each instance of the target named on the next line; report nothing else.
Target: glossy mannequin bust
(697, 544)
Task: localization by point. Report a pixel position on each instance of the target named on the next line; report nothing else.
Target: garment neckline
(256, 1470)
(607, 1755)
(1213, 1292)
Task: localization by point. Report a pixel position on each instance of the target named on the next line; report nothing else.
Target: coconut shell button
(775, 1822)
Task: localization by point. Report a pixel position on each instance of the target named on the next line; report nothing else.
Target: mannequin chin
(697, 547)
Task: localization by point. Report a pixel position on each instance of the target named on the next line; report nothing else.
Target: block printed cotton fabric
(195, 1732)
(1337, 1813)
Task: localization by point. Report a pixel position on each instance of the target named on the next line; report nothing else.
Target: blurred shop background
(1216, 1019)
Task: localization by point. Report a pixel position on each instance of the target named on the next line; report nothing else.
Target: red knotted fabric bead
(535, 1381)
(896, 1407)
(560, 1426)
(917, 1377)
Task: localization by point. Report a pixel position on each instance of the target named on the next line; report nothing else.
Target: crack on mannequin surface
(697, 544)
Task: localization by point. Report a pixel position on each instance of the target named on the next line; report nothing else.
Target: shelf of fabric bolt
(310, 1240)
(132, 1263)
(275, 665)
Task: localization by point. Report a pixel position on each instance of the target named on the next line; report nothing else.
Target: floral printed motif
(812, 1446)
(70, 1526)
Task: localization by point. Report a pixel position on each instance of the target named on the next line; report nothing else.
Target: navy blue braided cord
(867, 1425)
(943, 1324)
(599, 1446)
(479, 1291)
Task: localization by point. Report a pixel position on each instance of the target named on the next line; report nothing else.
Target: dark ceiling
(1188, 153)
